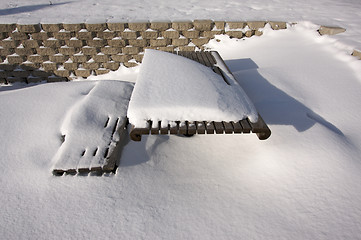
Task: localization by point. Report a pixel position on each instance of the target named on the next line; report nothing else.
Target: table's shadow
(275, 106)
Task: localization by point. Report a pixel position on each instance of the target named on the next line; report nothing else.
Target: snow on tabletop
(173, 88)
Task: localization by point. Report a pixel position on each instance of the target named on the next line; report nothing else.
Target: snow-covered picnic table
(190, 93)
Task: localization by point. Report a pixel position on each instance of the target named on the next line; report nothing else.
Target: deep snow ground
(302, 183)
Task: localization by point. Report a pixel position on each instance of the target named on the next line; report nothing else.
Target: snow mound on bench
(173, 88)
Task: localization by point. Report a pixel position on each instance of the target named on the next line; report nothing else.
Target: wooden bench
(213, 60)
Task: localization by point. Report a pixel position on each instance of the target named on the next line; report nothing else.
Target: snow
(172, 88)
(302, 183)
(326, 12)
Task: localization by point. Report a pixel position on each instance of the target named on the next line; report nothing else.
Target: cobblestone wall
(58, 52)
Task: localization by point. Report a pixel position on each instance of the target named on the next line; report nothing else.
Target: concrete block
(62, 35)
(130, 64)
(9, 43)
(258, 33)
(106, 35)
(160, 26)
(95, 27)
(15, 59)
(29, 66)
(130, 35)
(62, 73)
(137, 26)
(110, 50)
(40, 36)
(357, 54)
(211, 34)
(33, 79)
(2, 80)
(101, 58)
(52, 43)
(96, 42)
(45, 51)
(36, 58)
(51, 27)
(149, 34)
(74, 43)
(131, 50)
(7, 51)
(91, 65)
(7, 67)
(203, 25)
(160, 42)
(324, 30)
(79, 58)
(82, 72)
(7, 27)
(139, 42)
(182, 26)
(21, 73)
(200, 41)
(278, 25)
(84, 35)
(31, 43)
(3, 35)
(58, 58)
(15, 79)
(236, 25)
(187, 48)
(3, 74)
(102, 71)
(73, 27)
(138, 57)
(180, 42)
(19, 36)
(249, 33)
(54, 78)
(70, 66)
(170, 34)
(235, 34)
(254, 25)
(49, 66)
(41, 74)
(89, 50)
(219, 25)
(166, 49)
(67, 50)
(191, 34)
(111, 65)
(24, 51)
(29, 28)
(116, 43)
(116, 26)
(121, 58)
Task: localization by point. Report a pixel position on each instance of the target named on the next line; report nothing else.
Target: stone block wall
(59, 52)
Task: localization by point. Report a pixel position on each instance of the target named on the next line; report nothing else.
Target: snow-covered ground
(344, 13)
(304, 182)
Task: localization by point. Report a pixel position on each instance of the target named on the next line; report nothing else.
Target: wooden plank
(205, 59)
(237, 127)
(260, 128)
(211, 58)
(155, 128)
(219, 127)
(201, 128)
(183, 127)
(136, 133)
(200, 58)
(245, 125)
(192, 129)
(164, 130)
(174, 129)
(210, 127)
(228, 127)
